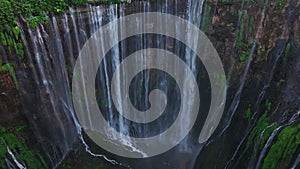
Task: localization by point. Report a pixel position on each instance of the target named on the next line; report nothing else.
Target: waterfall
(114, 58)
(266, 147)
(52, 52)
(19, 165)
(52, 49)
(43, 107)
(296, 163)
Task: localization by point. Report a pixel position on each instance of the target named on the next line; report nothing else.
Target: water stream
(51, 51)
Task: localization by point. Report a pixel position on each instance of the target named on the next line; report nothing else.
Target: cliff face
(265, 37)
(258, 43)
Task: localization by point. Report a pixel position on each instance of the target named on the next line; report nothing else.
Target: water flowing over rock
(258, 44)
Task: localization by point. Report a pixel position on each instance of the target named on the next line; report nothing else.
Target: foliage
(75, 2)
(279, 5)
(285, 144)
(248, 113)
(67, 166)
(242, 36)
(287, 49)
(6, 13)
(250, 26)
(220, 80)
(9, 139)
(107, 1)
(282, 151)
(34, 21)
(268, 105)
(280, 83)
(33, 10)
(261, 124)
(245, 55)
(268, 131)
(9, 67)
(206, 18)
(240, 32)
(230, 25)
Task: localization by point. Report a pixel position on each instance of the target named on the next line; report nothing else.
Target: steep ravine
(258, 43)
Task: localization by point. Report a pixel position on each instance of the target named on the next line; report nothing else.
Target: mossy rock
(10, 140)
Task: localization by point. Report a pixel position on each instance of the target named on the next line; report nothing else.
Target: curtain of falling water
(52, 50)
(187, 151)
(45, 91)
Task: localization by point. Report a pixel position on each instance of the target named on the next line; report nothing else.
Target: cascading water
(51, 52)
(19, 165)
(50, 76)
(186, 149)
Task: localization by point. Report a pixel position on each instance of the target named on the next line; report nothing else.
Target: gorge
(258, 43)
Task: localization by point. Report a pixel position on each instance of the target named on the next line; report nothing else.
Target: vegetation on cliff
(32, 10)
(283, 150)
(35, 12)
(12, 142)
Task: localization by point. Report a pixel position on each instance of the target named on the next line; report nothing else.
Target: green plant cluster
(248, 113)
(280, 83)
(285, 144)
(283, 150)
(278, 4)
(267, 132)
(243, 33)
(287, 49)
(11, 40)
(261, 125)
(109, 1)
(33, 10)
(206, 18)
(9, 139)
(9, 67)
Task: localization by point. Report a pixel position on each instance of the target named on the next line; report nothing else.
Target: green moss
(108, 1)
(16, 32)
(250, 26)
(3, 39)
(206, 19)
(230, 25)
(220, 80)
(9, 139)
(243, 34)
(35, 20)
(67, 166)
(282, 151)
(248, 113)
(240, 32)
(287, 49)
(280, 83)
(285, 144)
(6, 13)
(9, 67)
(268, 131)
(261, 124)
(279, 4)
(245, 55)
(268, 105)
(34, 11)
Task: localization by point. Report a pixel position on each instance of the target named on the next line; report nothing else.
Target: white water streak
(19, 165)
